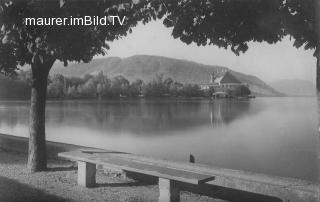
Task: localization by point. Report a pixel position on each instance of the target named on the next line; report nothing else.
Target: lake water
(268, 135)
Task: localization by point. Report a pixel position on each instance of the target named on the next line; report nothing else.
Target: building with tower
(223, 83)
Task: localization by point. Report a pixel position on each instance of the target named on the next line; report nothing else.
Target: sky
(268, 62)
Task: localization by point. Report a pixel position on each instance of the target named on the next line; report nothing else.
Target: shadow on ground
(226, 194)
(13, 191)
(57, 169)
(124, 184)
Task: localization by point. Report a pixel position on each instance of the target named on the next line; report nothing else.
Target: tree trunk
(317, 54)
(317, 51)
(318, 72)
(37, 158)
(318, 103)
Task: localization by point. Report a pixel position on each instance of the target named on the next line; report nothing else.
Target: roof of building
(227, 78)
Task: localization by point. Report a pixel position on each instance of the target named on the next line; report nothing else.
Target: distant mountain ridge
(145, 67)
(295, 87)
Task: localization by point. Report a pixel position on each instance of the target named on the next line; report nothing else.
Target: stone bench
(168, 176)
(227, 184)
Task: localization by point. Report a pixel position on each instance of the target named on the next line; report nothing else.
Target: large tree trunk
(317, 53)
(37, 159)
(318, 103)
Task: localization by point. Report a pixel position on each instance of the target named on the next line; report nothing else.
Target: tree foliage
(21, 44)
(240, 91)
(100, 86)
(14, 88)
(234, 23)
(225, 23)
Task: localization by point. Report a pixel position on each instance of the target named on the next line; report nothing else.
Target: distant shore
(20, 145)
(147, 98)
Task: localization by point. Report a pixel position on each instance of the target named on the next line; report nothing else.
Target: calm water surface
(268, 135)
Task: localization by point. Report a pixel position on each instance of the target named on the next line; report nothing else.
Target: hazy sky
(268, 62)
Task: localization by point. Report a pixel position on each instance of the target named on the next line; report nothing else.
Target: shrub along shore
(100, 86)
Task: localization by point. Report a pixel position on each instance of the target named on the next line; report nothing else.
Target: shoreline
(148, 98)
(20, 144)
(62, 174)
(59, 182)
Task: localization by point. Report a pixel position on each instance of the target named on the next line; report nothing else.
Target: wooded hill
(147, 67)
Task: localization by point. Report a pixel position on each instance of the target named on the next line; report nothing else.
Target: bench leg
(168, 191)
(86, 174)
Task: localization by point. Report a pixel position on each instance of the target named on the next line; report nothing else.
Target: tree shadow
(226, 194)
(124, 184)
(14, 191)
(57, 169)
(101, 152)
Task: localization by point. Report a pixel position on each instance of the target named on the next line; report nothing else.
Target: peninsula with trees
(136, 76)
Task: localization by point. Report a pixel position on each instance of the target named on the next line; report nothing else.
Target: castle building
(222, 83)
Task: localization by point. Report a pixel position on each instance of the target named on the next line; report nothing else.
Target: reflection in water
(14, 116)
(145, 117)
(148, 117)
(140, 117)
(268, 135)
(225, 111)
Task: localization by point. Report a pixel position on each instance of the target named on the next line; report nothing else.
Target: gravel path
(59, 184)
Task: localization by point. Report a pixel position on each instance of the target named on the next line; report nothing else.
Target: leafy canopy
(21, 44)
(234, 23)
(225, 23)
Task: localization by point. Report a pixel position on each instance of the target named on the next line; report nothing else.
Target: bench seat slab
(133, 165)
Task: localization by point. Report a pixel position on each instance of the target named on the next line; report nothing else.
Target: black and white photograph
(160, 100)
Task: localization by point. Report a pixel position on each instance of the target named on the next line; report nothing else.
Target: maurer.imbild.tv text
(76, 21)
